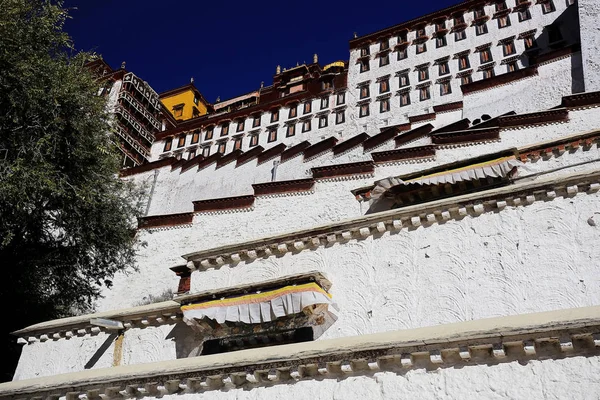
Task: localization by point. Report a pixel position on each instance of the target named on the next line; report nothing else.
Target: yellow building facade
(185, 102)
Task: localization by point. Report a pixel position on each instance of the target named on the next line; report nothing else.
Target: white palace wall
(532, 258)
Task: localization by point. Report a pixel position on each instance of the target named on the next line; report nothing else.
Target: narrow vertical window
(291, 130)
(364, 110)
(384, 105)
(323, 119)
(168, 144)
(195, 137)
(225, 130)
(237, 143)
(384, 86)
(404, 99)
(209, 133)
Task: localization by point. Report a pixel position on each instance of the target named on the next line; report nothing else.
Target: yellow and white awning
(498, 168)
(260, 307)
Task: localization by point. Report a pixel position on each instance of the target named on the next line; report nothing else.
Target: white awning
(498, 168)
(261, 306)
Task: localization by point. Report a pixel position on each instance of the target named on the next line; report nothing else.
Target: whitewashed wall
(175, 191)
(520, 260)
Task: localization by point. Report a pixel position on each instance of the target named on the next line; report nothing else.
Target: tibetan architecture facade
(136, 109)
(417, 222)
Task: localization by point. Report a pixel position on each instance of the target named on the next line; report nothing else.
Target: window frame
(307, 107)
(306, 125)
(364, 110)
(272, 135)
(404, 76)
(384, 60)
(448, 85)
(253, 140)
(384, 105)
(404, 99)
(425, 90)
(168, 145)
(364, 92)
(293, 111)
(324, 118)
(195, 137)
(384, 86)
(441, 41)
(224, 130)
(339, 120)
(290, 130)
(275, 115)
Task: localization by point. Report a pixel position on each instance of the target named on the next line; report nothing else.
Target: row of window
(485, 57)
(340, 99)
(306, 126)
(503, 20)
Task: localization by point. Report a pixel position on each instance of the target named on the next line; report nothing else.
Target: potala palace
(420, 221)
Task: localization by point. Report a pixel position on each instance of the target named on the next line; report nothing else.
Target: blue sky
(229, 47)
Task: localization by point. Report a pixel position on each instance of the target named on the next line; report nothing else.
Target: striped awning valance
(260, 307)
(498, 168)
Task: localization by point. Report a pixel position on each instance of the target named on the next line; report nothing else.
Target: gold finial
(315, 58)
(278, 70)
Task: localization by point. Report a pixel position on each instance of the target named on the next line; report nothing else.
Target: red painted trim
(404, 154)
(209, 160)
(351, 143)
(249, 155)
(331, 171)
(298, 185)
(157, 221)
(147, 167)
(421, 118)
(581, 100)
(225, 203)
(271, 153)
(379, 139)
(192, 163)
(414, 134)
(448, 107)
(294, 151)
(321, 147)
(541, 117)
(499, 80)
(221, 162)
(466, 136)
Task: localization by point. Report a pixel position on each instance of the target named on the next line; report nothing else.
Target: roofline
(356, 42)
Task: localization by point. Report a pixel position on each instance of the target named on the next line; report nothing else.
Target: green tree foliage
(65, 218)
